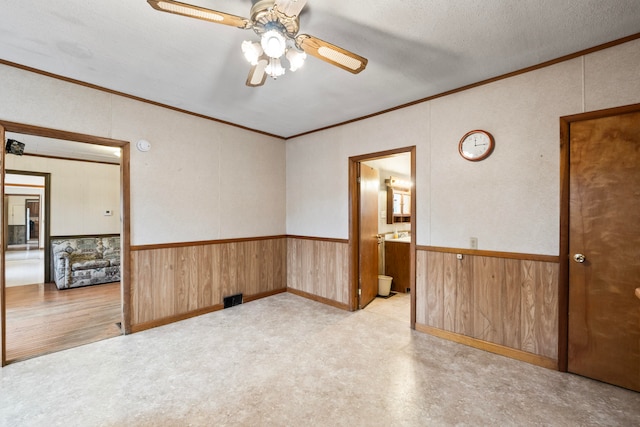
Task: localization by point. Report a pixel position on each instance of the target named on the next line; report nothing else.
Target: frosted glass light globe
(252, 51)
(275, 68)
(296, 59)
(273, 43)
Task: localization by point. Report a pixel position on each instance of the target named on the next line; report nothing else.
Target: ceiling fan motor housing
(266, 16)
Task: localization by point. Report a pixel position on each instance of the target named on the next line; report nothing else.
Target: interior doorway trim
(354, 226)
(125, 193)
(563, 280)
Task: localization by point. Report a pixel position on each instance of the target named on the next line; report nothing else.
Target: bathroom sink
(405, 239)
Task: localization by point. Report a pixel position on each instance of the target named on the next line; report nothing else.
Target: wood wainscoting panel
(205, 284)
(435, 289)
(511, 300)
(488, 291)
(501, 300)
(163, 264)
(175, 282)
(226, 269)
(539, 305)
(319, 267)
(421, 287)
(141, 287)
(185, 279)
(464, 310)
(450, 291)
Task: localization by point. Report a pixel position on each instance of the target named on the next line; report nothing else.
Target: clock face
(476, 145)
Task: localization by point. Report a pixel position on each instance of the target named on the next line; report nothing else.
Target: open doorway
(23, 222)
(82, 312)
(25, 228)
(23, 215)
(382, 212)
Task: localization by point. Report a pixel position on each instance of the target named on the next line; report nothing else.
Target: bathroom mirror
(399, 205)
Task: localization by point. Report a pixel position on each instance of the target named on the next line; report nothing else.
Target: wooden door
(368, 257)
(604, 205)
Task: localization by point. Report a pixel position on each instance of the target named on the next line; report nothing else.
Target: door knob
(579, 258)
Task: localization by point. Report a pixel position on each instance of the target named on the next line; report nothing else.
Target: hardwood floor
(42, 319)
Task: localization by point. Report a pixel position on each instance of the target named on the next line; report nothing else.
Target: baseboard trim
(320, 299)
(512, 353)
(172, 319)
(266, 294)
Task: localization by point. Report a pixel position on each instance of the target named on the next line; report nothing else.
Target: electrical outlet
(473, 242)
(459, 256)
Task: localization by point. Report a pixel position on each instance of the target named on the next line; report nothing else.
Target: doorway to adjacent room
(26, 225)
(369, 226)
(108, 303)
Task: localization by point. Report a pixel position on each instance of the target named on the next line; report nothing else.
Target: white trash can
(384, 285)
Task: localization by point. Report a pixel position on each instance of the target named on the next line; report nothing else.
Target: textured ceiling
(398, 164)
(415, 48)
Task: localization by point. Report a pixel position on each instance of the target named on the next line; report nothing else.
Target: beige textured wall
(202, 180)
(509, 201)
(80, 193)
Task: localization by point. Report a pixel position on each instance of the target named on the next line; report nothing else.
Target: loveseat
(85, 260)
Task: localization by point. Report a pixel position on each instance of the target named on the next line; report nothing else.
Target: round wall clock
(476, 145)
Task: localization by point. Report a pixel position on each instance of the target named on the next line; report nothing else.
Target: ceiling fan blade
(290, 8)
(331, 53)
(199, 13)
(257, 75)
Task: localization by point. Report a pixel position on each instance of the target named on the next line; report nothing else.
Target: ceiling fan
(277, 23)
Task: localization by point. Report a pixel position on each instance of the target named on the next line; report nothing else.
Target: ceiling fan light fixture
(296, 59)
(252, 51)
(273, 43)
(276, 22)
(275, 68)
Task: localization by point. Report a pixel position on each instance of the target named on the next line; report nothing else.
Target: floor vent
(232, 300)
